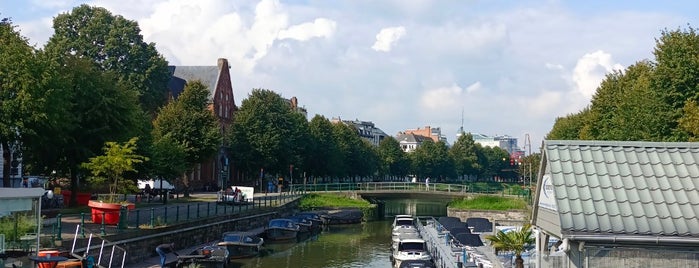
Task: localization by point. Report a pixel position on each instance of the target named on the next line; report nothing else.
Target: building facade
(216, 171)
(366, 130)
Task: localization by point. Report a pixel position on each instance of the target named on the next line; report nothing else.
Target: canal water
(354, 245)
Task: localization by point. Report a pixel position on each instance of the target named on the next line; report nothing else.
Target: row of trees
(269, 135)
(96, 81)
(651, 100)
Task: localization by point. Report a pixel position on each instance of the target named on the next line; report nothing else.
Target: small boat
(347, 216)
(282, 229)
(314, 218)
(241, 244)
(205, 257)
(410, 249)
(305, 225)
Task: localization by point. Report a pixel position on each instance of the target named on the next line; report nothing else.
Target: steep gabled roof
(644, 189)
(182, 74)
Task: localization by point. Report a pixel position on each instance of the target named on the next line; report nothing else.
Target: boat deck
(447, 256)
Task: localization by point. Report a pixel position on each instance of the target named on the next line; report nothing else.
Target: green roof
(626, 188)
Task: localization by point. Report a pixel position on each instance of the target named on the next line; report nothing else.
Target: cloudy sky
(503, 67)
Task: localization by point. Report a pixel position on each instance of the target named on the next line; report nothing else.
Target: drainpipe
(656, 240)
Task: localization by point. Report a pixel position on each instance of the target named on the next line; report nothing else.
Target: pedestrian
(25, 183)
(163, 249)
(427, 183)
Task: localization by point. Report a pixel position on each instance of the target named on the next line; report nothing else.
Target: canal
(355, 245)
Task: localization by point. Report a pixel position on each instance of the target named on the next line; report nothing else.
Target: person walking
(427, 183)
(163, 249)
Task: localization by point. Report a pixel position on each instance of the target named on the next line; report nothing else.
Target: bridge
(409, 189)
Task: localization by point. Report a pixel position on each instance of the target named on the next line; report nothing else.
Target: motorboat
(395, 240)
(315, 219)
(403, 220)
(305, 225)
(241, 244)
(205, 257)
(401, 229)
(410, 249)
(282, 229)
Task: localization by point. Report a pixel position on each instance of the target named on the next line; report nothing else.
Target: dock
(446, 254)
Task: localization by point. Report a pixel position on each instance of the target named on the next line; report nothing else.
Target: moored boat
(344, 216)
(315, 219)
(241, 244)
(205, 257)
(305, 225)
(281, 229)
(410, 249)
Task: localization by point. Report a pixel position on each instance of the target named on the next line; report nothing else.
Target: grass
(331, 200)
(489, 202)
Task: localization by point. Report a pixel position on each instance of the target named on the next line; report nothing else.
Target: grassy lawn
(331, 200)
(488, 202)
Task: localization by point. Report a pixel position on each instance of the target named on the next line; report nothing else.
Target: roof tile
(644, 188)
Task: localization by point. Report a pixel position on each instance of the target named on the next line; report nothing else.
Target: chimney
(222, 62)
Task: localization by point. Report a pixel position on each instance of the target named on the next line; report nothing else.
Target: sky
(493, 67)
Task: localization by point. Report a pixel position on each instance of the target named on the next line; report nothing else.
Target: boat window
(411, 246)
(231, 237)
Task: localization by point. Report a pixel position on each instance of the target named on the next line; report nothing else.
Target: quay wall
(141, 244)
(509, 217)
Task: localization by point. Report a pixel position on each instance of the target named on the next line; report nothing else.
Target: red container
(47, 253)
(82, 198)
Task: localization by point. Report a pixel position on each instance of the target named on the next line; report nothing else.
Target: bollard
(102, 230)
(82, 224)
(152, 217)
(122, 218)
(58, 226)
(138, 218)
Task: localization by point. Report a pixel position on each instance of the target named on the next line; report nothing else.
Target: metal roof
(625, 188)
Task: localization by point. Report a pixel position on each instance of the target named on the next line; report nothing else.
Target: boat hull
(277, 234)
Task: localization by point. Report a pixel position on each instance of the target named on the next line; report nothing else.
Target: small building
(617, 204)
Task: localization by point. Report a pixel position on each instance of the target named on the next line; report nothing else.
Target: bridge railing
(380, 186)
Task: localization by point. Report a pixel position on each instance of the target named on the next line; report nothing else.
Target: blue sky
(512, 67)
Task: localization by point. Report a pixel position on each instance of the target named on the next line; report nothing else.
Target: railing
(465, 188)
(160, 216)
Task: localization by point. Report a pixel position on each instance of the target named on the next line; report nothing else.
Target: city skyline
(512, 67)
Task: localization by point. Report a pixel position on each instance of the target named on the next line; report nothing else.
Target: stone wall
(510, 217)
(141, 244)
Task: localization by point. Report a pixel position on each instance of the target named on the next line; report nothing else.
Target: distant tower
(461, 129)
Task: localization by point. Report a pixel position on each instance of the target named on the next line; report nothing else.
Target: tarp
(155, 184)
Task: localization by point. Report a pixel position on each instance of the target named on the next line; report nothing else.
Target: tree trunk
(6, 164)
(519, 262)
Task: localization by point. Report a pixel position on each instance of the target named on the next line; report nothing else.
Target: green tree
(569, 127)
(22, 92)
(347, 142)
(464, 155)
(515, 241)
(431, 159)
(99, 110)
(115, 44)
(323, 153)
(394, 163)
(110, 167)
(168, 158)
(187, 124)
(496, 162)
(690, 120)
(267, 134)
(625, 108)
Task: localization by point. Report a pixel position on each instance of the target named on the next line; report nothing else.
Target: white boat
(410, 249)
(395, 240)
(403, 220)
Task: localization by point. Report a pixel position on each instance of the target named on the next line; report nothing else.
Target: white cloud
(590, 71)
(449, 97)
(321, 27)
(387, 37)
